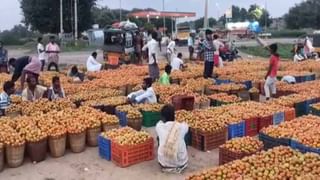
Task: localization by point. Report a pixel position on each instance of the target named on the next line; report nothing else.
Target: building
(278, 23)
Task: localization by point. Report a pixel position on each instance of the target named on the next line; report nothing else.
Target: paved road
(80, 57)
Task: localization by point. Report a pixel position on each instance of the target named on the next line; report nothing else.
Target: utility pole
(205, 23)
(164, 19)
(265, 17)
(76, 20)
(120, 11)
(61, 17)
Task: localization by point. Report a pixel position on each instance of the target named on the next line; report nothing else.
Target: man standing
(53, 50)
(271, 76)
(138, 41)
(152, 47)
(41, 53)
(209, 49)
(3, 59)
(159, 37)
(191, 46)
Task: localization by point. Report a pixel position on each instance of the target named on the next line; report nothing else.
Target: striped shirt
(4, 100)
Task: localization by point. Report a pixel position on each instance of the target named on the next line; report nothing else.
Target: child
(165, 77)
(8, 89)
(172, 151)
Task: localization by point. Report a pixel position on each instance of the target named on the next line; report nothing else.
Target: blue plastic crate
(296, 145)
(236, 130)
(248, 84)
(222, 81)
(104, 146)
(278, 118)
(302, 148)
(302, 108)
(311, 77)
(123, 121)
(270, 142)
(299, 79)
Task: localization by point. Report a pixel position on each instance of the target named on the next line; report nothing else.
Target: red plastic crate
(183, 102)
(206, 141)
(289, 114)
(226, 156)
(264, 122)
(124, 156)
(251, 127)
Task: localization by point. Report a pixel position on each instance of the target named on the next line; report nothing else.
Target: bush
(287, 33)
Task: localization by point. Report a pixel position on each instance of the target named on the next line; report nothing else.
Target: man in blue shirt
(8, 89)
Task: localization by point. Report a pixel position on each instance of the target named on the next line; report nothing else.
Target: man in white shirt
(177, 62)
(146, 95)
(171, 49)
(289, 79)
(172, 151)
(41, 53)
(92, 64)
(153, 49)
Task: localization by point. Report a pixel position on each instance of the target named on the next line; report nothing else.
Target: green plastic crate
(150, 119)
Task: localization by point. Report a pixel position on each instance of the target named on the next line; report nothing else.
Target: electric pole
(120, 11)
(61, 17)
(164, 19)
(265, 17)
(205, 23)
(76, 19)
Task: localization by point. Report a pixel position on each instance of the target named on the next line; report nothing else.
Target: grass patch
(283, 49)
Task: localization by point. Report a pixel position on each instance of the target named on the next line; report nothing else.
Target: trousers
(208, 69)
(270, 85)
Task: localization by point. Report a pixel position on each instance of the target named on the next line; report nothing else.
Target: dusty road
(80, 57)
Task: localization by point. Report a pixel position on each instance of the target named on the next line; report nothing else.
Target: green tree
(304, 15)
(44, 16)
(243, 14)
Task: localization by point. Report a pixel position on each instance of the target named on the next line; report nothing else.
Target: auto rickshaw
(118, 46)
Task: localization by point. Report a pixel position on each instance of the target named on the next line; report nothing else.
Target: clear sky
(10, 13)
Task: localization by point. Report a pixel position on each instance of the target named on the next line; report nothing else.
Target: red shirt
(274, 62)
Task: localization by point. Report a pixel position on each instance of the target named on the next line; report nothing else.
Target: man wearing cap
(208, 48)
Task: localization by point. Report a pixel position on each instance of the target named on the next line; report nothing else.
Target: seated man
(165, 77)
(33, 91)
(172, 151)
(92, 64)
(289, 79)
(177, 62)
(8, 89)
(146, 95)
(76, 75)
(56, 91)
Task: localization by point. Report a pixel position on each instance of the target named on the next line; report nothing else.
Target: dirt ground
(89, 166)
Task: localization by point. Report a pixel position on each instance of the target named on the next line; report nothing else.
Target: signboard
(229, 13)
